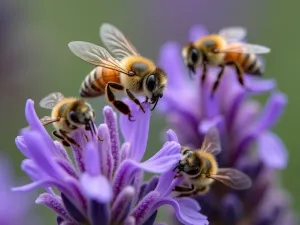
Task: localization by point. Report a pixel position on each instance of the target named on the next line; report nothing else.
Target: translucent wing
(51, 100)
(211, 142)
(115, 41)
(233, 178)
(96, 55)
(233, 33)
(246, 48)
(47, 120)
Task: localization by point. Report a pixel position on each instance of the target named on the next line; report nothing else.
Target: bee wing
(246, 48)
(211, 142)
(233, 178)
(47, 120)
(232, 34)
(96, 55)
(51, 100)
(115, 41)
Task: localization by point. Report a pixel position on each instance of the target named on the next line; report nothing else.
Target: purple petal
(272, 150)
(169, 148)
(125, 151)
(35, 124)
(67, 167)
(96, 188)
(124, 176)
(105, 151)
(130, 221)
(77, 152)
(210, 106)
(99, 213)
(164, 183)
(272, 112)
(151, 219)
(73, 211)
(171, 136)
(258, 86)
(111, 121)
(42, 155)
(92, 159)
(121, 205)
(196, 32)
(184, 212)
(160, 165)
(138, 133)
(172, 63)
(62, 151)
(148, 187)
(54, 203)
(232, 209)
(22, 147)
(205, 125)
(145, 207)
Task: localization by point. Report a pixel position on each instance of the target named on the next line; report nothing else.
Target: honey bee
(224, 49)
(127, 71)
(68, 114)
(200, 168)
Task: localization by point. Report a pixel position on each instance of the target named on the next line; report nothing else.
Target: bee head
(154, 85)
(81, 112)
(189, 163)
(192, 57)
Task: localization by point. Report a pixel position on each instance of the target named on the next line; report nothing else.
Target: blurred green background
(35, 59)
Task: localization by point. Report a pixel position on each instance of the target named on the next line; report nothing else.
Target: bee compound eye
(194, 55)
(150, 83)
(73, 116)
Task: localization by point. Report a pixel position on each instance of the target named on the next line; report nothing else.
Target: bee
(200, 168)
(127, 71)
(224, 49)
(68, 114)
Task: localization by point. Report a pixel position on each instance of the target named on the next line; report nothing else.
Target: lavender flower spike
(241, 125)
(105, 183)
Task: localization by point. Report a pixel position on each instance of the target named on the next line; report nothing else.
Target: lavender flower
(14, 207)
(105, 186)
(242, 125)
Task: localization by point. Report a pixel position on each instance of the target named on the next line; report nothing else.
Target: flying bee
(200, 168)
(127, 71)
(68, 114)
(224, 49)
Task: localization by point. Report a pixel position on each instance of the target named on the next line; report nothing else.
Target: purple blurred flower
(14, 207)
(191, 111)
(105, 184)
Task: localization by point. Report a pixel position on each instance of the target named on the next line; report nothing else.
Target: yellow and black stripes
(95, 82)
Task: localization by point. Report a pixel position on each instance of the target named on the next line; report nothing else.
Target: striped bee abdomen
(249, 62)
(95, 82)
(252, 65)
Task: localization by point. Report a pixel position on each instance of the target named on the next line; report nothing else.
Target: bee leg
(239, 72)
(119, 105)
(146, 100)
(63, 141)
(204, 73)
(134, 99)
(217, 82)
(185, 191)
(70, 140)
